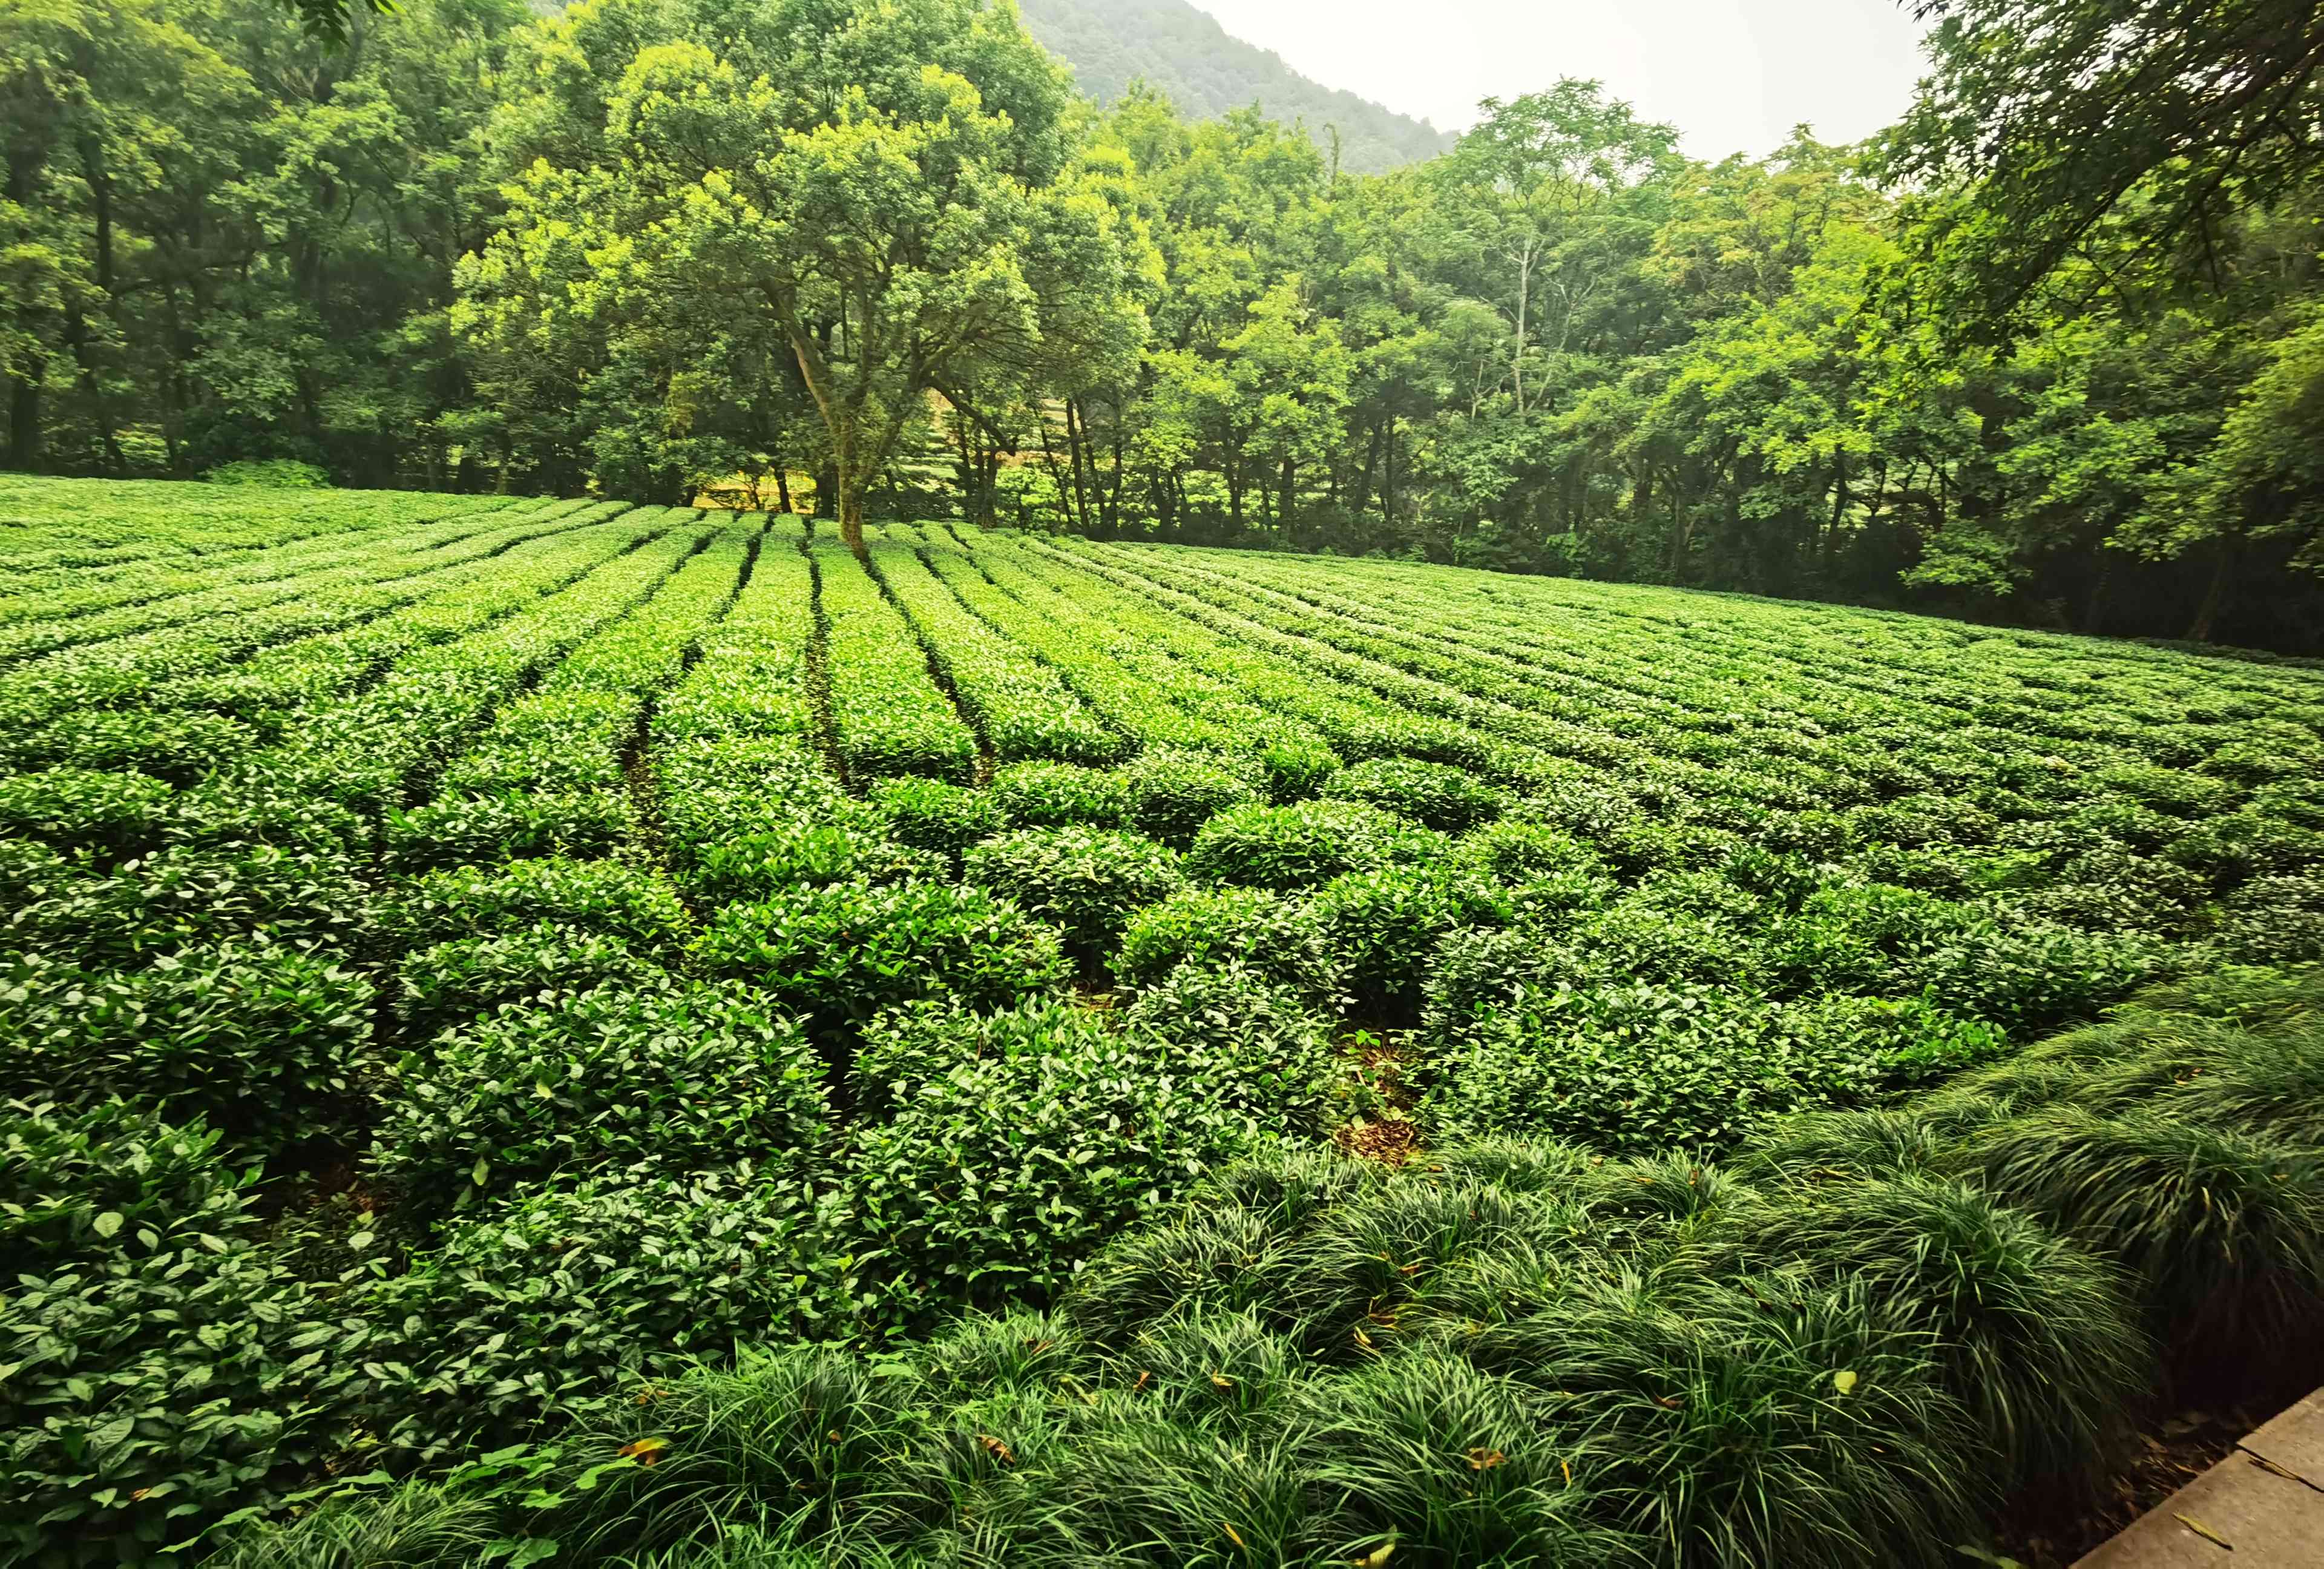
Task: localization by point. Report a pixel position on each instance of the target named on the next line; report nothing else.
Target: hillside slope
(1187, 55)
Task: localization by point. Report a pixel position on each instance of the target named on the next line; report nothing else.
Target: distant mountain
(1187, 55)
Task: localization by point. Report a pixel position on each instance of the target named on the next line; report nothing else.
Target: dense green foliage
(375, 1112)
(2046, 352)
(1844, 1347)
(565, 1030)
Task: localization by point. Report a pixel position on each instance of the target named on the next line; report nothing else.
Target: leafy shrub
(1172, 794)
(270, 1044)
(1304, 845)
(508, 826)
(2024, 975)
(1060, 795)
(1295, 770)
(1382, 926)
(165, 1369)
(1001, 1150)
(1086, 882)
(533, 1305)
(555, 745)
(270, 474)
(942, 818)
(1429, 793)
(2278, 920)
(671, 1080)
(184, 896)
(1641, 1068)
(180, 747)
(1262, 1047)
(840, 955)
(1209, 927)
(454, 982)
(610, 898)
(277, 807)
(724, 791)
(818, 853)
(1518, 853)
(79, 809)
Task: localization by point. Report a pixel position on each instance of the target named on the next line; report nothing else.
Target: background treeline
(2049, 358)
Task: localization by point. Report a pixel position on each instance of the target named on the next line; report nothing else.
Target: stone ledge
(2261, 1507)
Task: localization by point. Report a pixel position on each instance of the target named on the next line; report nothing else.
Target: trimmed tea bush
(671, 1080)
(1429, 793)
(1086, 882)
(271, 1044)
(165, 1368)
(612, 899)
(839, 956)
(1207, 928)
(1304, 845)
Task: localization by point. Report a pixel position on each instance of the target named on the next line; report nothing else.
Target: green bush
(188, 895)
(2271, 919)
(271, 1044)
(1060, 795)
(1086, 882)
(1206, 927)
(1644, 1068)
(1529, 855)
(1262, 1049)
(270, 473)
(996, 1153)
(670, 1081)
(1172, 794)
(838, 955)
(510, 826)
(819, 853)
(456, 982)
(533, 1306)
(182, 748)
(1381, 928)
(1296, 770)
(164, 1369)
(79, 809)
(1429, 793)
(1304, 845)
(944, 819)
(609, 898)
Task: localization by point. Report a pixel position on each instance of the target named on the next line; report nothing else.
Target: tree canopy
(2045, 352)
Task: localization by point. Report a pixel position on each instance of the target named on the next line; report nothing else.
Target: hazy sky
(1733, 75)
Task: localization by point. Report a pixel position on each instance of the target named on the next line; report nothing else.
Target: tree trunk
(2094, 613)
(850, 515)
(24, 421)
(783, 487)
(2215, 598)
(826, 492)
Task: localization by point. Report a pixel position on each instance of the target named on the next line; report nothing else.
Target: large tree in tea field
(870, 200)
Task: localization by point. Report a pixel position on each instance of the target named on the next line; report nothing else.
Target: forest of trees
(2051, 351)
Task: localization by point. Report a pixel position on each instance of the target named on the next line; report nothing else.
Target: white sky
(1732, 75)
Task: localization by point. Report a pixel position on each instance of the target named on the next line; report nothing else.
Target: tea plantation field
(469, 959)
